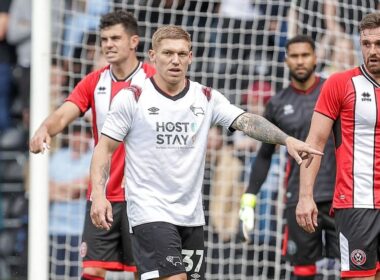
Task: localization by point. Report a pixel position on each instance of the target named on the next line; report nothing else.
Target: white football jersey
(166, 141)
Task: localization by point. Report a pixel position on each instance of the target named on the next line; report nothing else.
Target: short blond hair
(170, 32)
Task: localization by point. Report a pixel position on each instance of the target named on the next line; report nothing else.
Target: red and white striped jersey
(352, 100)
(95, 92)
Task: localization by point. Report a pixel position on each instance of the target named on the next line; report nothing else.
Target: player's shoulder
(343, 76)
(96, 74)
(135, 90)
(204, 90)
(148, 69)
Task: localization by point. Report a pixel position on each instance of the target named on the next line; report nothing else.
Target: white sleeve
(224, 113)
(120, 116)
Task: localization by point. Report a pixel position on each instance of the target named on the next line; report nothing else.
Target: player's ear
(190, 57)
(152, 55)
(135, 40)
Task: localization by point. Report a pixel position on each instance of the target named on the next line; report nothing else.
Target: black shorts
(163, 249)
(303, 248)
(359, 235)
(112, 249)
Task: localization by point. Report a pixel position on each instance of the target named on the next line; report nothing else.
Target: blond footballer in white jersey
(165, 139)
(164, 125)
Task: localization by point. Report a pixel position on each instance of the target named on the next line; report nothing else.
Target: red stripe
(358, 273)
(91, 277)
(285, 241)
(376, 171)
(305, 270)
(110, 266)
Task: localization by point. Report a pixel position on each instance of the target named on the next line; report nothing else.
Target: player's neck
(170, 89)
(121, 71)
(376, 77)
(303, 86)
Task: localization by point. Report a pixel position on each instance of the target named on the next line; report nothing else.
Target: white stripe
(150, 275)
(102, 99)
(364, 140)
(344, 253)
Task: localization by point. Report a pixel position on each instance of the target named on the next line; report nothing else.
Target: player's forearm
(307, 178)
(100, 164)
(99, 172)
(60, 119)
(260, 168)
(260, 129)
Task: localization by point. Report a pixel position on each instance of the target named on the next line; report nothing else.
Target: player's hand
(307, 214)
(101, 212)
(247, 214)
(40, 141)
(300, 150)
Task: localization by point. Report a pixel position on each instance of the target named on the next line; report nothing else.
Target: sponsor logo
(195, 276)
(173, 134)
(174, 260)
(288, 109)
(83, 249)
(197, 110)
(366, 97)
(358, 257)
(153, 111)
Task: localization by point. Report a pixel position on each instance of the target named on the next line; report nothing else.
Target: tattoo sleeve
(259, 128)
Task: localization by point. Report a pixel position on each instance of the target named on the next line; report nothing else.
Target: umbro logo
(153, 111)
(195, 276)
(101, 90)
(366, 96)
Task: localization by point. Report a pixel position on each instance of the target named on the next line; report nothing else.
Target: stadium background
(238, 48)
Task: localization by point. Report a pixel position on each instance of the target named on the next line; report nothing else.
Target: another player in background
(291, 110)
(349, 106)
(103, 250)
(165, 125)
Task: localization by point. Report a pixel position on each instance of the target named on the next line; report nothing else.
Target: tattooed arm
(261, 129)
(101, 210)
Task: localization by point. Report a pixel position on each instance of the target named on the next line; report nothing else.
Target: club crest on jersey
(358, 257)
(197, 110)
(174, 260)
(366, 96)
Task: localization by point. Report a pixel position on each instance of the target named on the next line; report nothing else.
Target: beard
(372, 68)
(301, 78)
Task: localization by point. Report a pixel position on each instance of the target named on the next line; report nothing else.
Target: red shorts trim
(305, 270)
(91, 277)
(361, 273)
(285, 241)
(110, 266)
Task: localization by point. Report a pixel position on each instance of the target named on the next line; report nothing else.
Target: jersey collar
(129, 77)
(368, 76)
